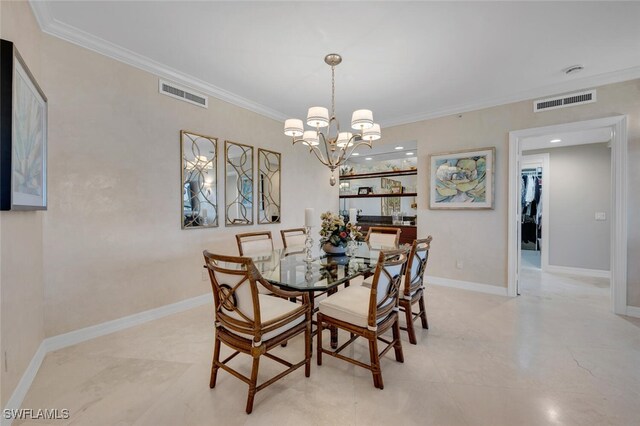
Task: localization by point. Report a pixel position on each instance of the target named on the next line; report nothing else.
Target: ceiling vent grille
(178, 92)
(572, 99)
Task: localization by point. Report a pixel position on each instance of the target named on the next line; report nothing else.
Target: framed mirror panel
(238, 185)
(199, 187)
(269, 165)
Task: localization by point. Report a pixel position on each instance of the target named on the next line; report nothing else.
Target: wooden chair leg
(397, 343)
(214, 363)
(307, 347)
(375, 362)
(252, 385)
(409, 318)
(423, 311)
(319, 335)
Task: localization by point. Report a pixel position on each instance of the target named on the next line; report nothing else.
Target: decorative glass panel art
(199, 180)
(238, 184)
(268, 186)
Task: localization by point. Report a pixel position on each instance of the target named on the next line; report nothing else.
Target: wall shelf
(380, 174)
(405, 194)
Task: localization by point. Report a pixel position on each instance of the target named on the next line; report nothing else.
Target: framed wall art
(462, 179)
(23, 135)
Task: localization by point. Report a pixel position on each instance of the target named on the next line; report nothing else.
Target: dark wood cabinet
(407, 236)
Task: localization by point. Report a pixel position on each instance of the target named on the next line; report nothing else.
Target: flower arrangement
(335, 232)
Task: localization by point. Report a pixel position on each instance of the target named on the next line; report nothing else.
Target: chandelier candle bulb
(308, 217)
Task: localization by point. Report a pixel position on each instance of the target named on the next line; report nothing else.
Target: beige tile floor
(553, 356)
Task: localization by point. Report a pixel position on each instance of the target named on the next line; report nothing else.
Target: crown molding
(552, 90)
(50, 25)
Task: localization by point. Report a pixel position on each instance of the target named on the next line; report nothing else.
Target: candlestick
(308, 243)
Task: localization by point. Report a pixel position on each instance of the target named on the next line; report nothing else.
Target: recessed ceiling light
(409, 153)
(555, 140)
(399, 147)
(368, 158)
(355, 154)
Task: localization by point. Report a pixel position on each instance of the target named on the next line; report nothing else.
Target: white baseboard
(467, 285)
(60, 341)
(25, 382)
(633, 311)
(583, 272)
(74, 337)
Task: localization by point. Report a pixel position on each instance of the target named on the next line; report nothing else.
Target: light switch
(601, 216)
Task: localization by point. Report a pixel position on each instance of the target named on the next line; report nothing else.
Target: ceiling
(580, 137)
(406, 61)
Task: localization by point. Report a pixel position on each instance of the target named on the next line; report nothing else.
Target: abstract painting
(462, 179)
(23, 134)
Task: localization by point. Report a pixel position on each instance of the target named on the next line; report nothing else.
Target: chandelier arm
(319, 156)
(355, 146)
(326, 146)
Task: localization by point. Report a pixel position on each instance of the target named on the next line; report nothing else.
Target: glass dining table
(288, 269)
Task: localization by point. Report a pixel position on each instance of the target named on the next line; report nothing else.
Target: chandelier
(336, 146)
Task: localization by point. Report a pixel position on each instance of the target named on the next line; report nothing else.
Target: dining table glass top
(287, 268)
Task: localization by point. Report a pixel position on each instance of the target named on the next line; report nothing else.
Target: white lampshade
(293, 127)
(362, 119)
(343, 139)
(372, 134)
(318, 117)
(310, 138)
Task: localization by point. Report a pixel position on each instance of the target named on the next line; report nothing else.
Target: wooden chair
(252, 243)
(252, 323)
(383, 237)
(293, 238)
(367, 312)
(413, 291)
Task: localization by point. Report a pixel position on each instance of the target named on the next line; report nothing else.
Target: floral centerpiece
(335, 234)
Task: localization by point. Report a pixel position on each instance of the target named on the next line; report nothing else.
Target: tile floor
(553, 356)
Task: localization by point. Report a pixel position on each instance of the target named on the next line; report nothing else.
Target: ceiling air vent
(184, 94)
(564, 101)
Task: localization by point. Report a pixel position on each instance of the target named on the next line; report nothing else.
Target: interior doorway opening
(524, 142)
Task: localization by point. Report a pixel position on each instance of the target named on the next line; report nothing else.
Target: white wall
(580, 185)
(479, 238)
(111, 243)
(112, 239)
(21, 275)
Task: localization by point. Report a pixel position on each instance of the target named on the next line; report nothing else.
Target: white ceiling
(580, 137)
(406, 61)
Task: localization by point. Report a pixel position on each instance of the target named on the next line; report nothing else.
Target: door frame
(619, 178)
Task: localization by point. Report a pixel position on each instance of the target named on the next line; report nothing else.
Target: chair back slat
(252, 243)
(235, 292)
(383, 237)
(386, 284)
(293, 238)
(416, 265)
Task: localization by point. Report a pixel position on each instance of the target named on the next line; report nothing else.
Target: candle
(308, 217)
(353, 216)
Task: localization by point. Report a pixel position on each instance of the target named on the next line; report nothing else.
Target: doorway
(616, 129)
